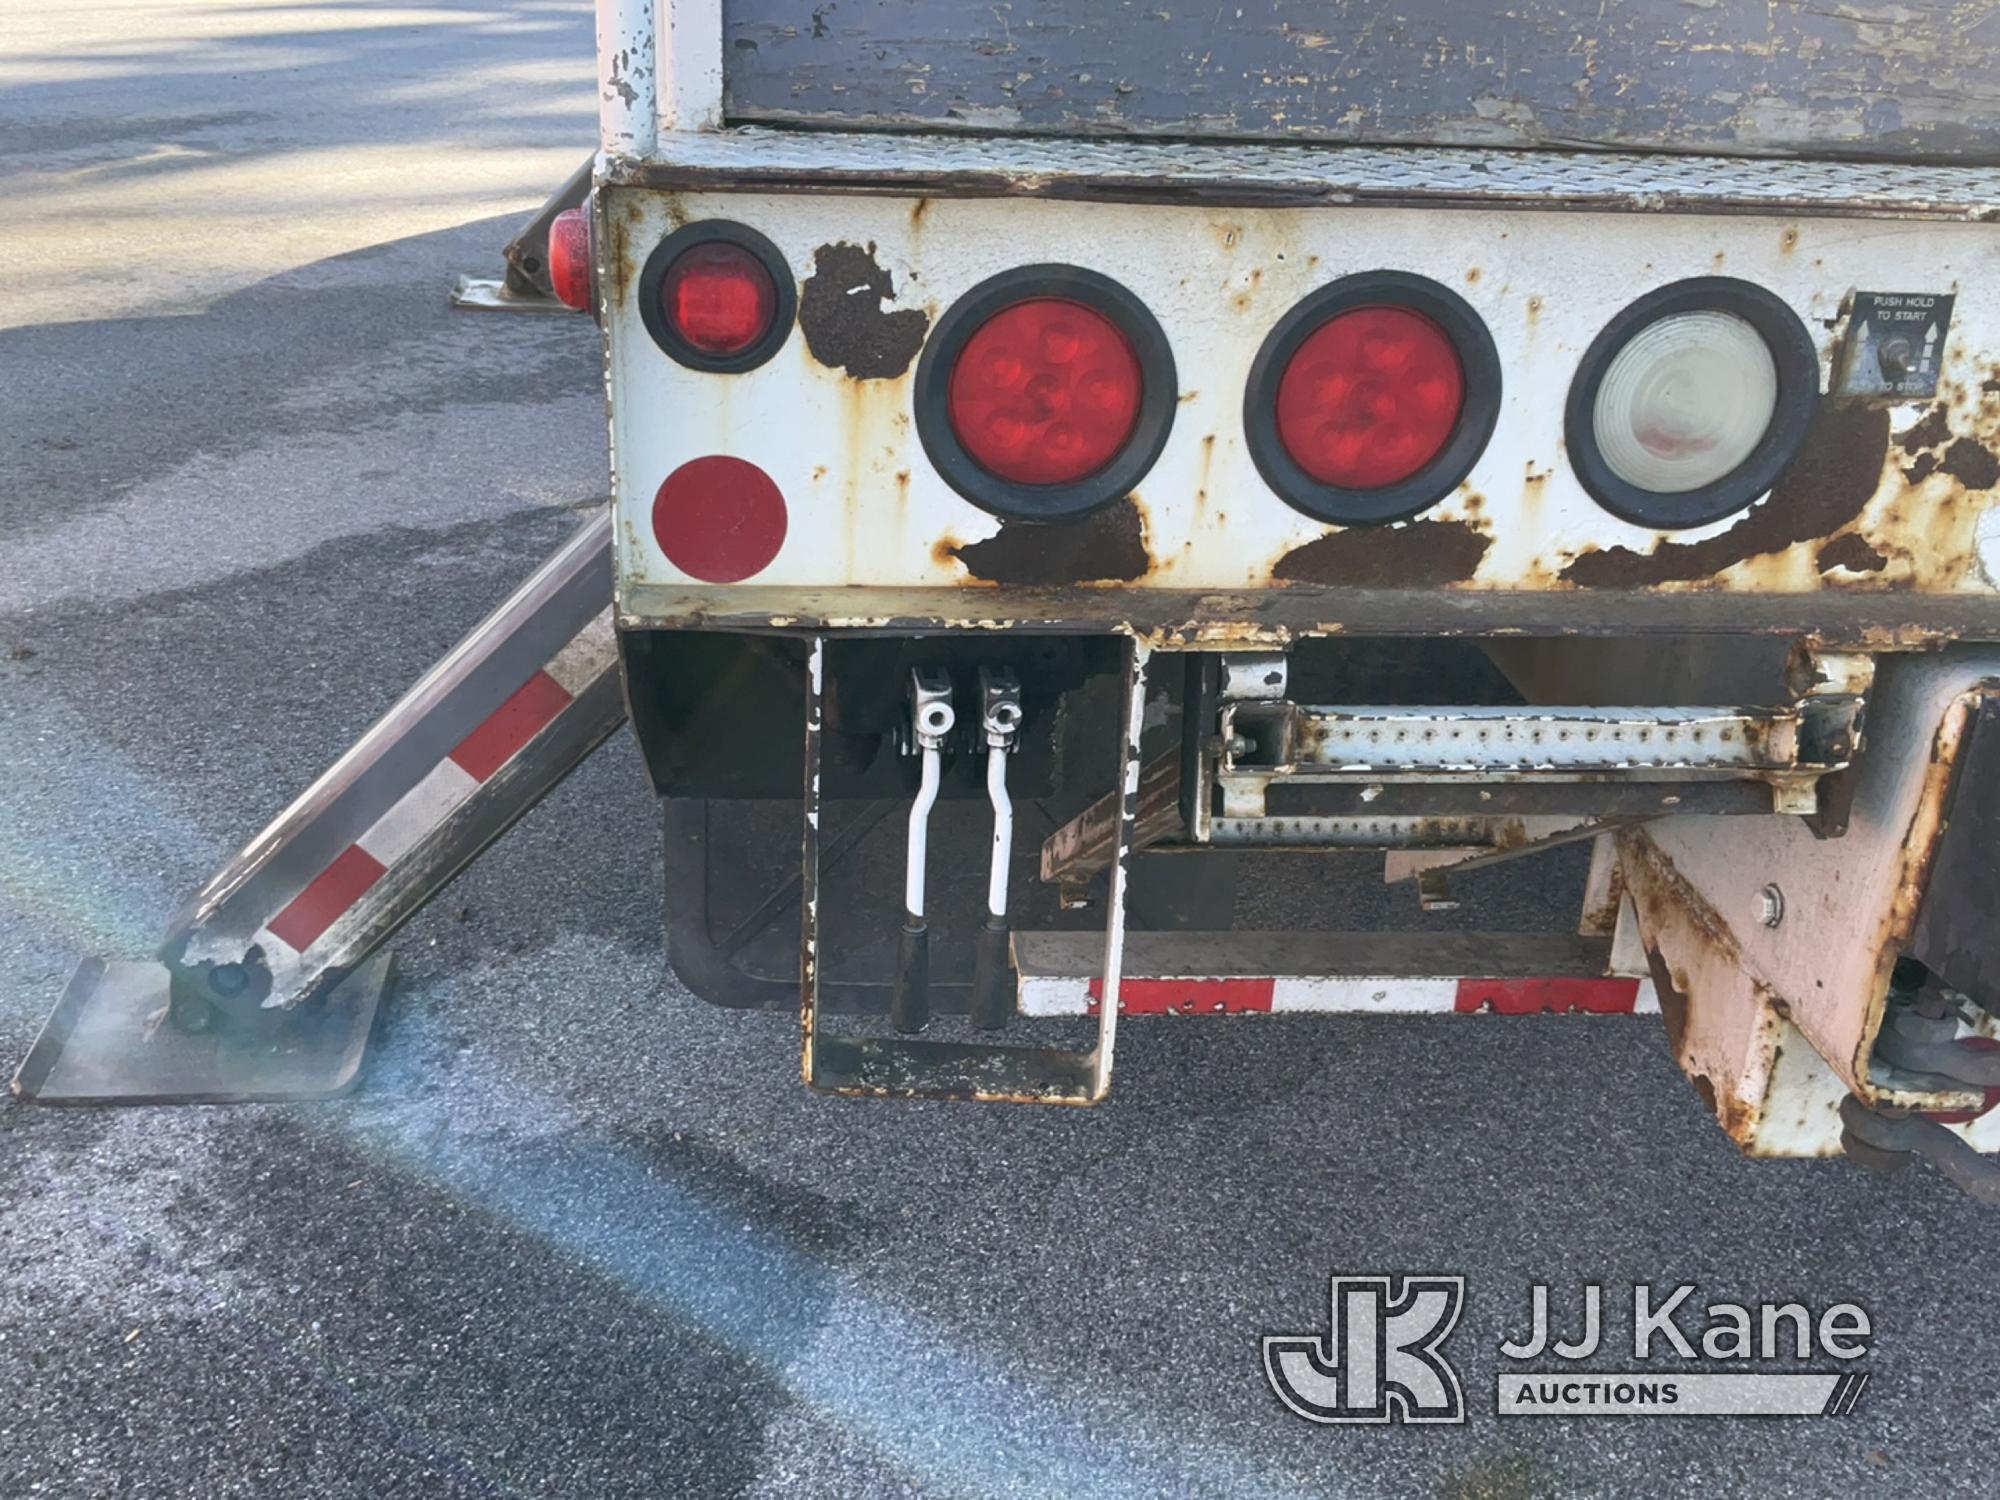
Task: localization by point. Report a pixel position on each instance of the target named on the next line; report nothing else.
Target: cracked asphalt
(579, 1234)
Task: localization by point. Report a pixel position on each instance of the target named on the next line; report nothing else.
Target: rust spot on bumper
(1836, 474)
(1423, 554)
(845, 323)
(1106, 546)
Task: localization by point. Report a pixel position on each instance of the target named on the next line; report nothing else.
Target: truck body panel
(1909, 82)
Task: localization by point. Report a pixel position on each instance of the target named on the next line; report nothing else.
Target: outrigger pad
(109, 1041)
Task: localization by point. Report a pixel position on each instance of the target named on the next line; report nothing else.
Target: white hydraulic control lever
(1000, 725)
(931, 721)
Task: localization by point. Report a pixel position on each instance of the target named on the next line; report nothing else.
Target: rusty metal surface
(1474, 837)
(1087, 842)
(1905, 1135)
(1722, 1021)
(1907, 81)
(1886, 527)
(1958, 923)
(1298, 749)
(1496, 740)
(1187, 620)
(525, 285)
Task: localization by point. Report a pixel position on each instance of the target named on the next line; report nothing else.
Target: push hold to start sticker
(1895, 343)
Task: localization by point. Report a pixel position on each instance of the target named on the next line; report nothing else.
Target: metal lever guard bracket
(900, 1067)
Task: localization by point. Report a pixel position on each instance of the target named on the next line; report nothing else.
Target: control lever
(931, 721)
(1000, 724)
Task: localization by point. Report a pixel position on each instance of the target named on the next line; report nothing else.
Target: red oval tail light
(569, 258)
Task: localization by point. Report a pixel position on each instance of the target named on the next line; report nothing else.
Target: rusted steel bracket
(1776, 952)
(903, 1067)
(525, 285)
(244, 999)
(1086, 843)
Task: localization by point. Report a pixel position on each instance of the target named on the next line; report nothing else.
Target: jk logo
(1379, 1362)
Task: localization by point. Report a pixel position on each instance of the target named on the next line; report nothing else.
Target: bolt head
(1770, 906)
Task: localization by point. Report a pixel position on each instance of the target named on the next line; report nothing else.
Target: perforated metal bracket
(899, 1067)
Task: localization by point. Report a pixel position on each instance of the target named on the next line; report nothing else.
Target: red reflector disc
(719, 298)
(719, 519)
(1370, 397)
(1045, 392)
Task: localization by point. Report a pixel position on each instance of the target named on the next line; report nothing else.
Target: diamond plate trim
(761, 159)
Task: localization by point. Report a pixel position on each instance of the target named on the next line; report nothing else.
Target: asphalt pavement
(579, 1234)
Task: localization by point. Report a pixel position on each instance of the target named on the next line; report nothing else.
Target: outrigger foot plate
(266, 985)
(109, 1042)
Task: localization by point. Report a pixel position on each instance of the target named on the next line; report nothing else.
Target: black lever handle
(910, 1000)
(992, 1004)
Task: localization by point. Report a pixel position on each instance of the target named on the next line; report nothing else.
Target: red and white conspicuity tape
(289, 938)
(1045, 995)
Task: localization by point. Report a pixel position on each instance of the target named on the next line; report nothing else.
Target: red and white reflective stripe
(1390, 996)
(473, 761)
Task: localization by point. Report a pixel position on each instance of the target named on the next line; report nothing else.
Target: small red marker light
(719, 298)
(1371, 396)
(719, 519)
(569, 258)
(1046, 391)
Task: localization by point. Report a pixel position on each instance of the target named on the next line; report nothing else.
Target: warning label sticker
(1895, 342)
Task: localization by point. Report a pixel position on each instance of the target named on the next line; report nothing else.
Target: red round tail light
(719, 297)
(1045, 392)
(1370, 398)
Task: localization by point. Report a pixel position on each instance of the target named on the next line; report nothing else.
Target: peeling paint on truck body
(1879, 79)
(1885, 502)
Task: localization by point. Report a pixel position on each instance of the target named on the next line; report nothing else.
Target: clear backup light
(1685, 402)
(1692, 402)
